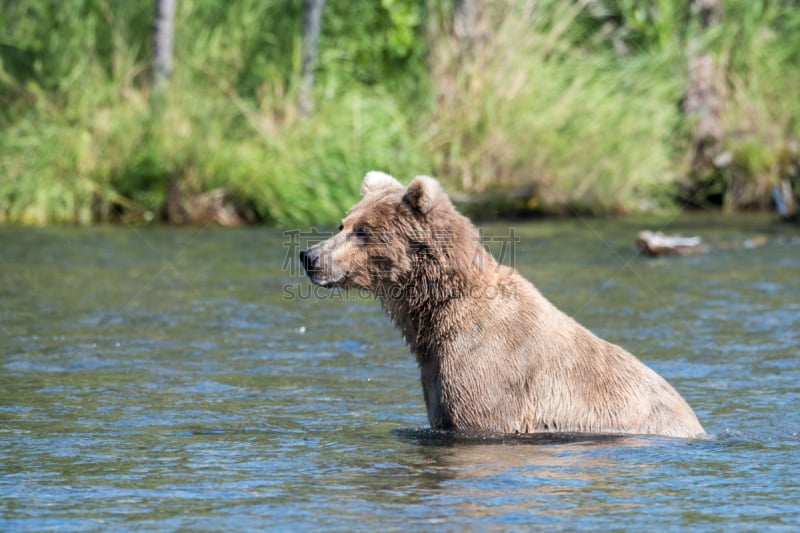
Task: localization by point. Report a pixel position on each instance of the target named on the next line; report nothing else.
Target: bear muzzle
(312, 263)
(310, 260)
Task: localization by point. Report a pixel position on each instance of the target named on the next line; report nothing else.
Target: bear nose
(308, 258)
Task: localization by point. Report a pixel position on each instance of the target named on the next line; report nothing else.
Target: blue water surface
(165, 379)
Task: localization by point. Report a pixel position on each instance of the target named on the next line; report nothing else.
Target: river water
(157, 378)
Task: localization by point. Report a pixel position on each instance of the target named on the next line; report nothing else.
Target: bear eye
(341, 227)
(361, 231)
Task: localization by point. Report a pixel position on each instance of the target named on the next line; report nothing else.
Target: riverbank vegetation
(544, 106)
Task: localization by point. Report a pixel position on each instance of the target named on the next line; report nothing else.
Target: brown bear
(494, 354)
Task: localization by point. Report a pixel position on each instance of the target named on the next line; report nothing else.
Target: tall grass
(573, 103)
(756, 50)
(99, 145)
(524, 108)
(758, 55)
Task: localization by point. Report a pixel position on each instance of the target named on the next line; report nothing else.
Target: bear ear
(375, 180)
(422, 194)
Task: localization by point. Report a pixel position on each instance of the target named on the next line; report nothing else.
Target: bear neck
(423, 304)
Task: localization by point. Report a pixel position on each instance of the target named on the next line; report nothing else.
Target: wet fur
(494, 354)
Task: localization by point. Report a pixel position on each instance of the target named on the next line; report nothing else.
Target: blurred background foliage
(545, 106)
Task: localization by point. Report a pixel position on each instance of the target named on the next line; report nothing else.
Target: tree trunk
(162, 41)
(464, 14)
(701, 98)
(312, 24)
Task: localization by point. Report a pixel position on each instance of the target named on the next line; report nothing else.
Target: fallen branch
(655, 244)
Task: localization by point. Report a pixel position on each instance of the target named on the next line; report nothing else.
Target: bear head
(392, 235)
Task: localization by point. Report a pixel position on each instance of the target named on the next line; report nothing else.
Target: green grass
(584, 130)
(576, 104)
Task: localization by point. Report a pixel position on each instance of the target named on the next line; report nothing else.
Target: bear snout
(310, 260)
(320, 267)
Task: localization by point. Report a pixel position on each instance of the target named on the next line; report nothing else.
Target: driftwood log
(655, 244)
